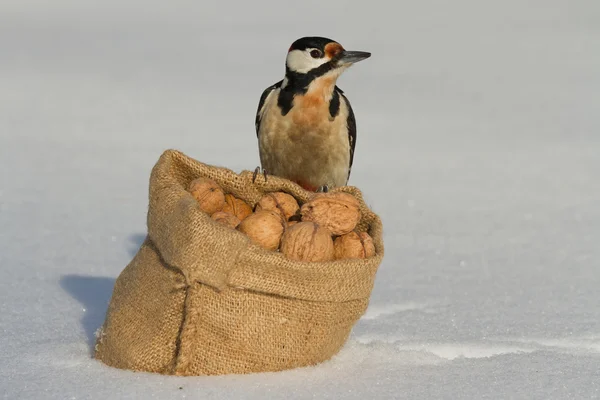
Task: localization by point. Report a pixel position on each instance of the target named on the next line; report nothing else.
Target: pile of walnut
(322, 229)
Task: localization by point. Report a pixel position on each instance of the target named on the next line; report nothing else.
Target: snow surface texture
(478, 144)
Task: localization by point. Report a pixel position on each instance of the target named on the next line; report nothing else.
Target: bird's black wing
(351, 128)
(261, 102)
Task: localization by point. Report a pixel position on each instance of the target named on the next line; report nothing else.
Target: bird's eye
(315, 54)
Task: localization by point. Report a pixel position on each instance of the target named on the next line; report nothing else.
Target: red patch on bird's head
(333, 49)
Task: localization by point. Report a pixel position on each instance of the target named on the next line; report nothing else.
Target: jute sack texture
(200, 299)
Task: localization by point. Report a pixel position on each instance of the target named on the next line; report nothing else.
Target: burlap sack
(200, 299)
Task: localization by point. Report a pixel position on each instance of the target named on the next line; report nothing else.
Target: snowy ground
(479, 143)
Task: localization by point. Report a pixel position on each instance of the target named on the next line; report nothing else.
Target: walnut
(237, 207)
(280, 202)
(354, 245)
(226, 219)
(338, 212)
(208, 193)
(307, 241)
(264, 228)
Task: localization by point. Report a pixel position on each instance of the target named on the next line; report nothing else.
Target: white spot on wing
(267, 102)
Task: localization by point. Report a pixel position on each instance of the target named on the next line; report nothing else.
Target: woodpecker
(305, 125)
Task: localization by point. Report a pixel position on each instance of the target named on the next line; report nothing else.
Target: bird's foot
(256, 172)
(323, 189)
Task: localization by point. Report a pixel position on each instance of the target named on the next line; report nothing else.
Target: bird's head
(316, 56)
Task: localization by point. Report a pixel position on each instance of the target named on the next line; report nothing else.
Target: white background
(478, 144)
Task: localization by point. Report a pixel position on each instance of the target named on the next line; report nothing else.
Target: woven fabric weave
(200, 299)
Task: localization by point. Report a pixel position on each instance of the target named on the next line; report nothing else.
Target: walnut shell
(264, 228)
(280, 202)
(237, 207)
(226, 219)
(338, 212)
(292, 223)
(354, 245)
(307, 241)
(208, 193)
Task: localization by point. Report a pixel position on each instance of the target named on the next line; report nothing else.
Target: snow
(478, 146)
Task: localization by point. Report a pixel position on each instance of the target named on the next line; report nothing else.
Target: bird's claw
(323, 189)
(256, 172)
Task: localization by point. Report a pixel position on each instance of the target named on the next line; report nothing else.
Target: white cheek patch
(301, 61)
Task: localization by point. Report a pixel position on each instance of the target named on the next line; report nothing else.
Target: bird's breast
(312, 107)
(308, 119)
(306, 144)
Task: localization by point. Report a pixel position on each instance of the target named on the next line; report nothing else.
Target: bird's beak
(351, 57)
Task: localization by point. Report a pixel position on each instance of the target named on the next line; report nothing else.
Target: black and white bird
(305, 125)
